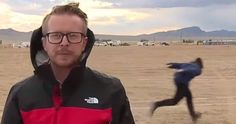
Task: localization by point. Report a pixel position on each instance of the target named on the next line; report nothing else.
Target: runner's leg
(192, 112)
(169, 102)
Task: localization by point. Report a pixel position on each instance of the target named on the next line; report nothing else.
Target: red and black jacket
(85, 97)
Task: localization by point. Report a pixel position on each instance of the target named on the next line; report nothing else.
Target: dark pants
(182, 91)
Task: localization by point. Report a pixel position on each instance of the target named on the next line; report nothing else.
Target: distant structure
(210, 42)
(5, 44)
(188, 41)
(21, 45)
(107, 42)
(0, 43)
(25, 44)
(164, 44)
(219, 42)
(145, 42)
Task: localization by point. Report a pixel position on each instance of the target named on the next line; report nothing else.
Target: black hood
(39, 56)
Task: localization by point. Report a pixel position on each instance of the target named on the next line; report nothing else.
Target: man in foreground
(63, 90)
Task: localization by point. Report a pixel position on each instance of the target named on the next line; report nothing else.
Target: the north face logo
(92, 100)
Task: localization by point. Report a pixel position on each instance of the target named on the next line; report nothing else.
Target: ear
(43, 40)
(85, 43)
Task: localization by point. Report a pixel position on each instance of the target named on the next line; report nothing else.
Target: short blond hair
(71, 8)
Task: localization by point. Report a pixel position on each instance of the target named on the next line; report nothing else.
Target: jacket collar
(74, 78)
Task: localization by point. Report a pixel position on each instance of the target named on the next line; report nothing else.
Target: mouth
(64, 52)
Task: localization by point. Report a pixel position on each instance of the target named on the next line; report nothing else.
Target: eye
(55, 35)
(74, 35)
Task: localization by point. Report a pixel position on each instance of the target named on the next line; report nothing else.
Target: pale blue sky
(129, 17)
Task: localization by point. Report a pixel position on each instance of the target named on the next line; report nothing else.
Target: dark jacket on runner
(186, 72)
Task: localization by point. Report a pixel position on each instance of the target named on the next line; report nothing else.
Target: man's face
(65, 54)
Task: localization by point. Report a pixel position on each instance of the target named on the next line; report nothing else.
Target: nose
(64, 41)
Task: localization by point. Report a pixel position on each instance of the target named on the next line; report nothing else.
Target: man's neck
(61, 73)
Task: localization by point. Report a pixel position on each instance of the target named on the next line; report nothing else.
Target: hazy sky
(129, 17)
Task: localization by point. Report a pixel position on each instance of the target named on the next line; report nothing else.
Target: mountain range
(194, 33)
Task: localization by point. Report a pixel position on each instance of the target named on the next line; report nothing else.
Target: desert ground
(146, 78)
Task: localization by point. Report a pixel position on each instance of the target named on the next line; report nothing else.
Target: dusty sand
(143, 72)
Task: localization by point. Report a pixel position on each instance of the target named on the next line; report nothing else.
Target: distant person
(186, 72)
(63, 90)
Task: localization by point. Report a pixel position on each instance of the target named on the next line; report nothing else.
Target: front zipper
(57, 100)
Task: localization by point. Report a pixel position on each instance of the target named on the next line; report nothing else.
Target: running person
(186, 72)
